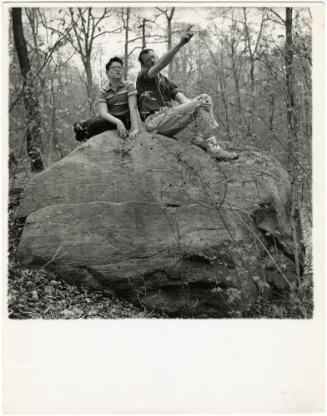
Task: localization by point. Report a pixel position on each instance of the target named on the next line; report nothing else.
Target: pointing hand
(186, 37)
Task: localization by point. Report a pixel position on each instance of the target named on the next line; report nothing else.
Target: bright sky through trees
(111, 44)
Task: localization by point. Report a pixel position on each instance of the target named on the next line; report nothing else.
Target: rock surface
(161, 223)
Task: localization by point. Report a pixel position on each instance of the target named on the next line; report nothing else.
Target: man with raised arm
(155, 93)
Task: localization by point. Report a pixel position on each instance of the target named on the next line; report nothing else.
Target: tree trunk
(236, 77)
(81, 34)
(292, 136)
(31, 104)
(34, 24)
(223, 86)
(169, 39)
(221, 79)
(289, 85)
(252, 81)
(252, 57)
(55, 147)
(272, 111)
(126, 26)
(143, 34)
(89, 82)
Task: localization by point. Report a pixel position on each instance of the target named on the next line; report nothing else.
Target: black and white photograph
(160, 162)
(164, 208)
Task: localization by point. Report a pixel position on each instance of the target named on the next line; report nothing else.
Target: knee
(149, 125)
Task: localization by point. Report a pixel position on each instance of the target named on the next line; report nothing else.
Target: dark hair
(143, 52)
(114, 59)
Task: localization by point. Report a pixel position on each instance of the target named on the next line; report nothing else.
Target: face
(149, 59)
(115, 71)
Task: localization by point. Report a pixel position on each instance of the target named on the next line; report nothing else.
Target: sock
(212, 144)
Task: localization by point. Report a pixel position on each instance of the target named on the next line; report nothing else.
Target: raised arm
(168, 56)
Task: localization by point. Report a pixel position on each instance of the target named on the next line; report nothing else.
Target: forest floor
(40, 295)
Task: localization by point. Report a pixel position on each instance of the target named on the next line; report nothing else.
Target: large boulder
(161, 223)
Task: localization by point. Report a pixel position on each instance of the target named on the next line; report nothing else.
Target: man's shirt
(154, 93)
(117, 101)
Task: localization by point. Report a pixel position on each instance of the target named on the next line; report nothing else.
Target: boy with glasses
(116, 105)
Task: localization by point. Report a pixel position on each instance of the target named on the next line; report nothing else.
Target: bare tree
(143, 28)
(125, 16)
(234, 64)
(81, 30)
(252, 48)
(132, 22)
(169, 14)
(84, 30)
(292, 132)
(220, 83)
(31, 104)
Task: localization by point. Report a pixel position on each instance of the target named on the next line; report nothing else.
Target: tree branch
(277, 15)
(106, 32)
(263, 20)
(135, 47)
(74, 24)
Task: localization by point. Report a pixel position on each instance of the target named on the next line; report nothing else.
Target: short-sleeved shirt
(117, 100)
(154, 93)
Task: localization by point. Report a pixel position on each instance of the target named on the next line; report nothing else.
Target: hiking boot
(199, 141)
(80, 130)
(221, 154)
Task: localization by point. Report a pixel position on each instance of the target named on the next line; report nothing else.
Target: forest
(256, 64)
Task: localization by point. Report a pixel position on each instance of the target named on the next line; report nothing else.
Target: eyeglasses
(116, 68)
